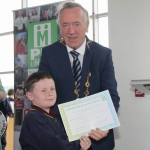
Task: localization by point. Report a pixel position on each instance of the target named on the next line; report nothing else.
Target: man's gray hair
(67, 5)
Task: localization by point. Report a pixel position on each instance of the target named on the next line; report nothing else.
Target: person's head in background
(27, 14)
(50, 7)
(19, 13)
(40, 90)
(73, 21)
(1, 95)
(34, 12)
(10, 93)
(2, 89)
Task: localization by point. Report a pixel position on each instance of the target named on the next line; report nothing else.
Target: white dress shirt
(80, 50)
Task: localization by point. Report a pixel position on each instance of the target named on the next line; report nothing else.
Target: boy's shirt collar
(51, 113)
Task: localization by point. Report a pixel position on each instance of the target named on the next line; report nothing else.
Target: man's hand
(98, 134)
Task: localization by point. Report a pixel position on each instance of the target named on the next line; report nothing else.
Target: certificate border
(104, 96)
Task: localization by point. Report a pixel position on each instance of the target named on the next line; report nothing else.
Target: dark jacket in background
(5, 107)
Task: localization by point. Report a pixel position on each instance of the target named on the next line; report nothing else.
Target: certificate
(91, 112)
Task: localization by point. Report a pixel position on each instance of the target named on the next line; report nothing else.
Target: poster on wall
(39, 35)
(34, 28)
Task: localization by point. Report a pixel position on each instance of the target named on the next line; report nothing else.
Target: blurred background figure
(6, 109)
(35, 17)
(49, 13)
(55, 13)
(10, 98)
(19, 21)
(10, 94)
(26, 19)
(2, 89)
(21, 49)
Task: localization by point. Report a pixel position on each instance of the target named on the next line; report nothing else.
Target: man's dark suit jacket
(98, 61)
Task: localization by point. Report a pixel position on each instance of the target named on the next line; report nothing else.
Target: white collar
(80, 50)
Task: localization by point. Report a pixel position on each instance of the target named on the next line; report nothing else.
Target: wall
(129, 39)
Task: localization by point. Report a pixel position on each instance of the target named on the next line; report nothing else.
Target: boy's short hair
(10, 92)
(35, 77)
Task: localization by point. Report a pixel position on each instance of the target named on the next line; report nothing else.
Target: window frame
(96, 16)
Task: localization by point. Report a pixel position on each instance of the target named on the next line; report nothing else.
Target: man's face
(73, 27)
(43, 94)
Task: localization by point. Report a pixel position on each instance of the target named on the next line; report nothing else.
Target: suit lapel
(65, 66)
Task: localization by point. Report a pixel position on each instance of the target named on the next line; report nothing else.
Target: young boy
(41, 129)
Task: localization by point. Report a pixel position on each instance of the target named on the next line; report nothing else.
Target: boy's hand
(98, 134)
(85, 143)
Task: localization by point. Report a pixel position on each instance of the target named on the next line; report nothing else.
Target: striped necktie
(76, 69)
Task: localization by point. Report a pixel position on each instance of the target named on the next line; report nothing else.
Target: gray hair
(67, 5)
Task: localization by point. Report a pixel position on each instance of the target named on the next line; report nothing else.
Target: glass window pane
(6, 53)
(7, 81)
(102, 6)
(32, 3)
(103, 31)
(90, 30)
(6, 15)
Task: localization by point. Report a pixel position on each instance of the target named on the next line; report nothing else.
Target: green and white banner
(40, 34)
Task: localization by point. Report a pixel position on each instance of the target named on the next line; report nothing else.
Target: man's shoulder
(54, 46)
(98, 48)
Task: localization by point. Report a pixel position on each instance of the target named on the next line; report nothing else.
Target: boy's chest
(58, 129)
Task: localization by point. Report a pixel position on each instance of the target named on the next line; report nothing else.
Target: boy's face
(43, 94)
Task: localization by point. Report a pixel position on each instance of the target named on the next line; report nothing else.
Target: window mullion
(24, 3)
(95, 20)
